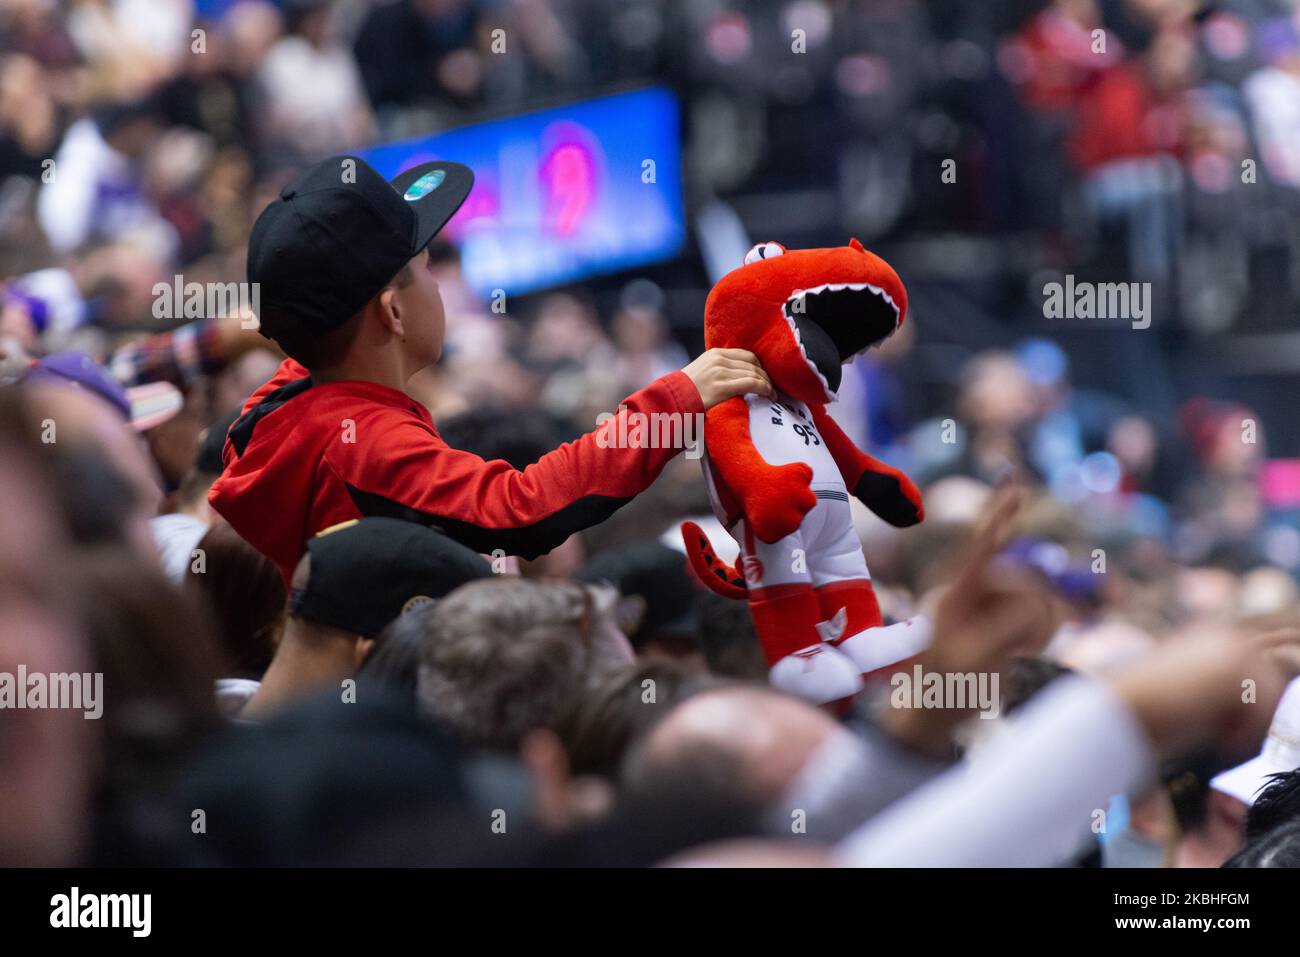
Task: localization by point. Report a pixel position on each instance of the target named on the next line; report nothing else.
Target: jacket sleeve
(414, 475)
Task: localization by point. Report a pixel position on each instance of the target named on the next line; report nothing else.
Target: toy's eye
(763, 251)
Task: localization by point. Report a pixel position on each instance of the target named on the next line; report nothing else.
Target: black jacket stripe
(526, 541)
(241, 433)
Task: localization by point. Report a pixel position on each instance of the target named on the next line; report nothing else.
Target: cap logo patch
(337, 527)
(415, 602)
(425, 185)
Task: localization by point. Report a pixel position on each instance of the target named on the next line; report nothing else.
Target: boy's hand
(720, 374)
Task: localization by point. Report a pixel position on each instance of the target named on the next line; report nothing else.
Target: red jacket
(303, 457)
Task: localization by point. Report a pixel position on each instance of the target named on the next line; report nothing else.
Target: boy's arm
(408, 472)
(882, 488)
(184, 355)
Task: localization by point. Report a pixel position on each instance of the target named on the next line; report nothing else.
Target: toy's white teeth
(798, 341)
(795, 306)
(840, 287)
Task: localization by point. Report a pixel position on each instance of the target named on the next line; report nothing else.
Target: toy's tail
(716, 574)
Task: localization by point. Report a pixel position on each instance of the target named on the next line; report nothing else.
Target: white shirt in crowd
(1028, 799)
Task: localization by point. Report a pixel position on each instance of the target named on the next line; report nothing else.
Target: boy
(342, 268)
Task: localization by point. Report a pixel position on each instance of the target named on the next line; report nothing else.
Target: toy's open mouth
(856, 315)
(836, 321)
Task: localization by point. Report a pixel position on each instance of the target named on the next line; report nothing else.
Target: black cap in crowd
(367, 572)
(213, 440)
(656, 576)
(340, 232)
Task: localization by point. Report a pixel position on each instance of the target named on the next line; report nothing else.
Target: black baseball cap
(213, 441)
(657, 576)
(340, 232)
(366, 572)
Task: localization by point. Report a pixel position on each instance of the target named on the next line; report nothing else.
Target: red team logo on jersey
(753, 569)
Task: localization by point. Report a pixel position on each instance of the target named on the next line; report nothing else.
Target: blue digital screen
(561, 194)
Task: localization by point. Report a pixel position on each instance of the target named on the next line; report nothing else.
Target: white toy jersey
(782, 431)
(825, 547)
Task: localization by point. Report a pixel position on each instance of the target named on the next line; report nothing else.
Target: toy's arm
(882, 488)
(774, 498)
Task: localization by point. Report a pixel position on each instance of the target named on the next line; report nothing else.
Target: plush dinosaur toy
(780, 471)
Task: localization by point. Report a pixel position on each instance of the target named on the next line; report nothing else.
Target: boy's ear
(390, 312)
(362, 650)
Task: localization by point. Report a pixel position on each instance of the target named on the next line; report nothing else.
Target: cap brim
(153, 404)
(436, 190)
(1245, 780)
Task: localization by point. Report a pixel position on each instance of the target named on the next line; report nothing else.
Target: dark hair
(1276, 805)
(207, 466)
(207, 459)
(94, 499)
(158, 660)
(617, 714)
(1187, 780)
(519, 436)
(111, 118)
(150, 640)
(443, 251)
(325, 782)
(244, 597)
(313, 350)
(728, 639)
(1028, 676)
(394, 661)
(17, 423)
(1279, 847)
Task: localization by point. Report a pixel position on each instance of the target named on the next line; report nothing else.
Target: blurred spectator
(162, 690)
(619, 713)
(657, 610)
(244, 597)
(96, 189)
(351, 584)
(314, 103)
(49, 764)
(1273, 94)
(509, 656)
